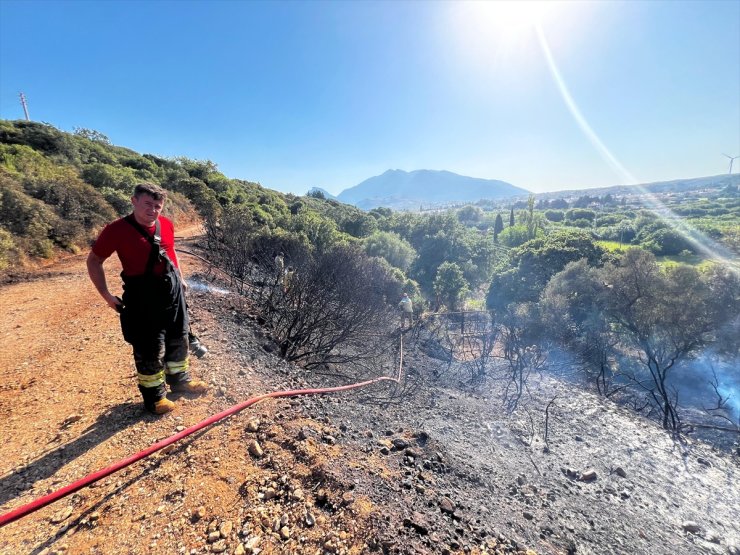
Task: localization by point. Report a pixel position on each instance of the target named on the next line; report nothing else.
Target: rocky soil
(438, 469)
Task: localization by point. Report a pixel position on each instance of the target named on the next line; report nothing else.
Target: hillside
(425, 468)
(674, 186)
(403, 190)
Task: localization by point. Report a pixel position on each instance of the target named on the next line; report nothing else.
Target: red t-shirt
(133, 248)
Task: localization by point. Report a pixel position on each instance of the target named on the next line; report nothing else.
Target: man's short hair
(154, 191)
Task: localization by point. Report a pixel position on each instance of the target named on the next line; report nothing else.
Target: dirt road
(69, 406)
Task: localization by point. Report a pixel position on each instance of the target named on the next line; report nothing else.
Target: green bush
(391, 247)
(580, 214)
(582, 223)
(554, 215)
(8, 249)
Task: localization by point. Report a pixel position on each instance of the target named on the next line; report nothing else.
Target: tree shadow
(20, 480)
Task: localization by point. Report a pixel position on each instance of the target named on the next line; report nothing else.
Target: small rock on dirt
(691, 527)
(61, 516)
(255, 449)
(226, 528)
(588, 475)
(447, 505)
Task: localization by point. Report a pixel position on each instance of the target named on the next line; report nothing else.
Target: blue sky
(302, 94)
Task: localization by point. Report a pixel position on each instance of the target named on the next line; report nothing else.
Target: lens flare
(700, 241)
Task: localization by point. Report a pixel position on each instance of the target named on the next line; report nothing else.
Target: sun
(509, 15)
(498, 32)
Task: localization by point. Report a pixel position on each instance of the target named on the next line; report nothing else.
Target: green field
(612, 246)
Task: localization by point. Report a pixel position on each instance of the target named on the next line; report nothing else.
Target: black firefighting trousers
(154, 320)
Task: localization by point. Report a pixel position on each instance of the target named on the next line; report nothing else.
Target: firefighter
(288, 278)
(280, 264)
(407, 310)
(154, 318)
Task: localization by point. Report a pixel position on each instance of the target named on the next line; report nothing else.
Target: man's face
(147, 209)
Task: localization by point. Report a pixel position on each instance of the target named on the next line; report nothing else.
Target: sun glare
(511, 16)
(499, 32)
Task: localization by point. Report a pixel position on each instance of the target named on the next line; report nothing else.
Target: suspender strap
(155, 241)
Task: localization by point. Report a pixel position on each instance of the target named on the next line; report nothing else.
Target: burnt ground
(439, 468)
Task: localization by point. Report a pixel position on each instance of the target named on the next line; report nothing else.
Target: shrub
(580, 214)
(554, 215)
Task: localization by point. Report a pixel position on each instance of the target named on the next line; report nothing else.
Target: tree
(498, 227)
(316, 193)
(580, 214)
(514, 236)
(666, 242)
(450, 285)
(470, 214)
(521, 342)
(667, 317)
(92, 135)
(511, 217)
(533, 264)
(554, 215)
(332, 308)
(390, 246)
(572, 312)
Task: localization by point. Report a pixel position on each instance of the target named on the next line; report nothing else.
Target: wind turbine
(732, 159)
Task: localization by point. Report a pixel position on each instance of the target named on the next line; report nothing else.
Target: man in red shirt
(154, 318)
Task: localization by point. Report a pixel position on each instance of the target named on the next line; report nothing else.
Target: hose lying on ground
(37, 504)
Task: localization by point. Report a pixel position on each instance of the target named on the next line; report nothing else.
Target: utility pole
(25, 106)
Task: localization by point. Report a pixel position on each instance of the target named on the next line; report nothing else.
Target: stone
(400, 443)
(528, 516)
(447, 505)
(240, 550)
(285, 533)
(253, 542)
(691, 527)
(255, 449)
(71, 419)
(198, 514)
(62, 515)
(309, 520)
(253, 425)
(418, 522)
(226, 528)
(619, 471)
(588, 475)
(214, 536)
(219, 547)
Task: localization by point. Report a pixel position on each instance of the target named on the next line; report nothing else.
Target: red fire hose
(37, 504)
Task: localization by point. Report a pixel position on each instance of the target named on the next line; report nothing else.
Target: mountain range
(399, 189)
